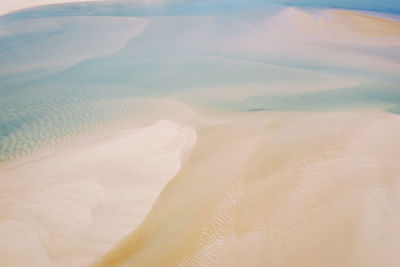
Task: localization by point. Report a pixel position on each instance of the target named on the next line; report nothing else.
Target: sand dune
(285, 189)
(73, 205)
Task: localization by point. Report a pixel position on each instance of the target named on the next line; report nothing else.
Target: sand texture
(197, 134)
(279, 190)
(71, 206)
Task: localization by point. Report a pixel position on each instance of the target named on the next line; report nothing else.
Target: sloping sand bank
(71, 206)
(283, 189)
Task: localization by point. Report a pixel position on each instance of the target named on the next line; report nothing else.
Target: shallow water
(68, 69)
(268, 138)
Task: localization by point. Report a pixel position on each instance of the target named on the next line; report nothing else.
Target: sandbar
(279, 189)
(71, 206)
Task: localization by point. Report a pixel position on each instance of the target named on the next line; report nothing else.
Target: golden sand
(367, 25)
(284, 189)
(258, 188)
(344, 25)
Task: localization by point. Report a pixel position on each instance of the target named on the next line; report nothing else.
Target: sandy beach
(174, 140)
(281, 183)
(277, 186)
(71, 206)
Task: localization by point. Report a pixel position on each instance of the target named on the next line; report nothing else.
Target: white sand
(311, 189)
(71, 206)
(260, 189)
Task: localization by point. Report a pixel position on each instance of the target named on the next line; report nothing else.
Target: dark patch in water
(256, 109)
(379, 95)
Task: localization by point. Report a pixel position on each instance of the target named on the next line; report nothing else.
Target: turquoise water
(68, 69)
(369, 95)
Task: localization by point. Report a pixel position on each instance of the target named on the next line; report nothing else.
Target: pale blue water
(68, 69)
